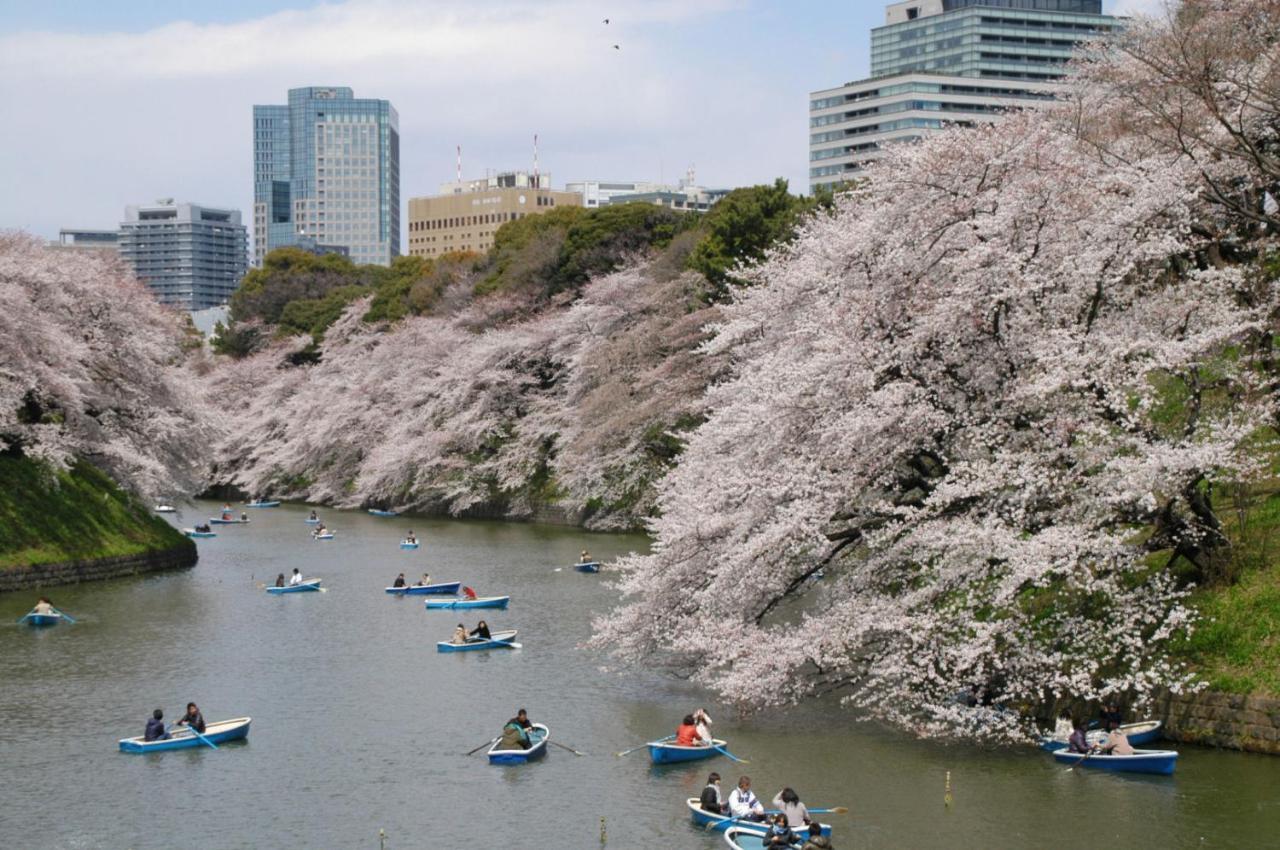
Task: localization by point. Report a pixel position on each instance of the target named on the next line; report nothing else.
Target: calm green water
(358, 724)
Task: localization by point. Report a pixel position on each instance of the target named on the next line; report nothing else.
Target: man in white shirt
(743, 803)
(296, 578)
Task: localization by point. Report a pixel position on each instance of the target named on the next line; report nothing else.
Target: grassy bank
(47, 516)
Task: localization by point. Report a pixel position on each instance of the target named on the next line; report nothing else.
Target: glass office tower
(327, 173)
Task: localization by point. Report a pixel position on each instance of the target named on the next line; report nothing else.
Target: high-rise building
(190, 256)
(466, 213)
(326, 169)
(80, 239)
(940, 63)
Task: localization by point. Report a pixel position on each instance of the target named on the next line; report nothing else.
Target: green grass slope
(48, 516)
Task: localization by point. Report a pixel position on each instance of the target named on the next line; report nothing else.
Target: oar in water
(642, 746)
(563, 747)
(723, 751)
(488, 743)
(196, 732)
(1084, 758)
(64, 615)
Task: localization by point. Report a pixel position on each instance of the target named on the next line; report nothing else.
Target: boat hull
(199, 534)
(1143, 732)
(216, 521)
(312, 521)
(43, 620)
(496, 640)
(668, 752)
(328, 536)
(444, 588)
(404, 545)
(720, 823)
(744, 838)
(539, 733)
(262, 504)
(310, 584)
(218, 733)
(376, 512)
(458, 604)
(588, 567)
(1158, 762)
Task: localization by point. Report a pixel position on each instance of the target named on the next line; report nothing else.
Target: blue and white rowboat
(444, 588)
(328, 535)
(478, 602)
(310, 521)
(182, 738)
(496, 640)
(34, 619)
(667, 751)
(191, 532)
(1160, 762)
(405, 544)
(213, 520)
(261, 504)
(1143, 732)
(719, 823)
(377, 512)
(746, 838)
(539, 735)
(587, 567)
(308, 584)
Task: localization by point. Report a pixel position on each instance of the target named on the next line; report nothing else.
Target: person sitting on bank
(399, 582)
(817, 841)
(1079, 740)
(296, 578)
(743, 803)
(1111, 716)
(702, 721)
(788, 802)
(192, 718)
(1117, 744)
(779, 834)
(155, 727)
(280, 580)
(460, 634)
(481, 630)
(711, 799)
(687, 733)
(44, 606)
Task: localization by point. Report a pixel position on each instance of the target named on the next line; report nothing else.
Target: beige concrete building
(466, 214)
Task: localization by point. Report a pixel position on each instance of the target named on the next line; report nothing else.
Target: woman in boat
(44, 606)
(280, 580)
(468, 592)
(788, 802)
(399, 582)
(296, 578)
(1117, 744)
(155, 727)
(779, 834)
(702, 722)
(318, 530)
(687, 733)
(460, 634)
(481, 630)
(192, 718)
(1079, 740)
(817, 841)
(711, 799)
(586, 557)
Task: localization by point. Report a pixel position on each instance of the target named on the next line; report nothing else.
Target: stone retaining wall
(92, 569)
(1231, 721)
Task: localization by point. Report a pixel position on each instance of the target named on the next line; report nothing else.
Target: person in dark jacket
(712, 800)
(280, 580)
(779, 834)
(155, 727)
(1112, 717)
(399, 582)
(817, 841)
(1079, 740)
(481, 631)
(192, 718)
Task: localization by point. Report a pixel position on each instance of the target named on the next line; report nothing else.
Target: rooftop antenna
(459, 164)
(689, 176)
(537, 184)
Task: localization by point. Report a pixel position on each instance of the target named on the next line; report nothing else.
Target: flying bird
(606, 20)
(616, 47)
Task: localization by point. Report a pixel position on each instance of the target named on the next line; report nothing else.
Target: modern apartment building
(466, 213)
(191, 256)
(326, 168)
(939, 63)
(81, 239)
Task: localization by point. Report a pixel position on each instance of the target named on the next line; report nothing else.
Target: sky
(105, 104)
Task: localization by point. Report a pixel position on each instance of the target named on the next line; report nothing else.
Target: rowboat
(310, 521)
(668, 751)
(308, 584)
(478, 602)
(720, 823)
(1159, 762)
(587, 567)
(262, 504)
(221, 521)
(1143, 732)
(747, 838)
(377, 512)
(328, 535)
(165, 509)
(405, 544)
(496, 640)
(447, 588)
(538, 735)
(223, 730)
(191, 532)
(34, 619)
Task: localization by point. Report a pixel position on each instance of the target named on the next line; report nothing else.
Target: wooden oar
(563, 747)
(488, 743)
(642, 746)
(835, 810)
(731, 755)
(196, 732)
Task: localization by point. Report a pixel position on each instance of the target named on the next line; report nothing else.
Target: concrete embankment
(1230, 721)
(93, 569)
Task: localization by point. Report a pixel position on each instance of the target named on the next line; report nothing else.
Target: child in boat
(460, 634)
(1117, 744)
(296, 578)
(155, 727)
(481, 630)
(44, 606)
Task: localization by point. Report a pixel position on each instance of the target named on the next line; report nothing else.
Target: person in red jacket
(687, 732)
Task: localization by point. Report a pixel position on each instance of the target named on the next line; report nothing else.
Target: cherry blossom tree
(92, 367)
(976, 414)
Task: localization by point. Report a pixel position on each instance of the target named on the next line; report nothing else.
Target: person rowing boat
(193, 718)
(399, 582)
(515, 734)
(481, 631)
(44, 606)
(296, 578)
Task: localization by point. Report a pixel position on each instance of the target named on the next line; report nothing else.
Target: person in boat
(743, 803)
(1063, 728)
(585, 558)
(481, 631)
(687, 733)
(317, 530)
(779, 835)
(192, 718)
(203, 528)
(244, 517)
(313, 516)
(816, 840)
(410, 538)
(155, 727)
(280, 580)
(515, 734)
(522, 720)
(787, 801)
(296, 578)
(44, 606)
(468, 592)
(399, 582)
(1079, 740)
(702, 722)
(1111, 716)
(711, 799)
(460, 634)
(1117, 744)
(424, 581)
